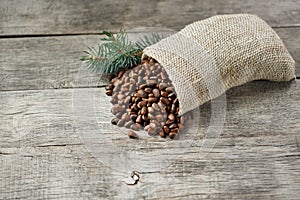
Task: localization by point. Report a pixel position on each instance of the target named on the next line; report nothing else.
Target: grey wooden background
(45, 151)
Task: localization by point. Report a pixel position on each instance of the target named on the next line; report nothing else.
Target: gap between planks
(99, 33)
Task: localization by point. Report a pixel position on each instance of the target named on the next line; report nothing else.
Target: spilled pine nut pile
(144, 98)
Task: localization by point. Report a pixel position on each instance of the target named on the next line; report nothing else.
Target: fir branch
(146, 41)
(116, 52)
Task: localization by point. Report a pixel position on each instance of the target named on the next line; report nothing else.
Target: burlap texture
(208, 57)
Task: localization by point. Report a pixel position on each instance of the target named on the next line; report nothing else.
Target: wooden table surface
(56, 141)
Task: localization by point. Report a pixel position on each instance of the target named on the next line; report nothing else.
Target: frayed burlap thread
(208, 57)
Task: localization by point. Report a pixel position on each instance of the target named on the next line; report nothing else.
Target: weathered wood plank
(43, 155)
(74, 16)
(291, 41)
(53, 62)
(38, 63)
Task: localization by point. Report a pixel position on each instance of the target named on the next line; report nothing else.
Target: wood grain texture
(46, 148)
(291, 41)
(59, 144)
(53, 62)
(74, 16)
(40, 63)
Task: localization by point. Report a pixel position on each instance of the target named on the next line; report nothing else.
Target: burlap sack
(210, 56)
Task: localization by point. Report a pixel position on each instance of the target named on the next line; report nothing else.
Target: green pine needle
(146, 41)
(116, 52)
